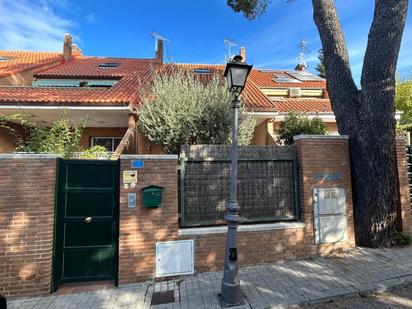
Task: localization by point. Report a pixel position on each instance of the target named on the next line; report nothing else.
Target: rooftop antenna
(303, 46)
(158, 37)
(229, 45)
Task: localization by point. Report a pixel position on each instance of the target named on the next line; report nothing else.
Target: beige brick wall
(141, 228)
(26, 225)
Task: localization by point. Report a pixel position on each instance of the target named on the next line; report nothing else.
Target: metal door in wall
(86, 221)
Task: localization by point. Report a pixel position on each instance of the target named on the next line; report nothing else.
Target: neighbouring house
(107, 90)
(104, 90)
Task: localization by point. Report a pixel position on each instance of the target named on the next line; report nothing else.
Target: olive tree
(365, 114)
(181, 108)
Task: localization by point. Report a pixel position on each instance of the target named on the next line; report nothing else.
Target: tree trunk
(367, 115)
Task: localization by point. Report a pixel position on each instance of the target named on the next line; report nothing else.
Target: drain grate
(163, 297)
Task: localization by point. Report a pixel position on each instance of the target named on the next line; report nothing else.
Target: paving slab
(359, 272)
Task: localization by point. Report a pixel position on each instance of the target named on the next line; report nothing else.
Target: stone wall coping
(330, 137)
(241, 228)
(149, 157)
(27, 156)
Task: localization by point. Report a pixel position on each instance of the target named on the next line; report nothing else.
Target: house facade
(106, 91)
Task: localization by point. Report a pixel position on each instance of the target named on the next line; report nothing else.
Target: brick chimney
(243, 54)
(300, 67)
(160, 50)
(67, 47)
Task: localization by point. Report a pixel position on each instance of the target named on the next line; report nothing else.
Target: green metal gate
(86, 221)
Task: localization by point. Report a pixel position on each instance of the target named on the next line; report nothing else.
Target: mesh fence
(266, 184)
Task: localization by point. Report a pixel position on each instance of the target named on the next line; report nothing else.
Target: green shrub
(95, 152)
(182, 109)
(62, 137)
(295, 124)
(402, 239)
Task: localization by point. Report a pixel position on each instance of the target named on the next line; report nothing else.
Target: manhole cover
(164, 297)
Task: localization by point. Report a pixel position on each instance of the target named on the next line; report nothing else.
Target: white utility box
(329, 215)
(174, 258)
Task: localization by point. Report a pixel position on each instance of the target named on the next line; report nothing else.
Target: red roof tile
(19, 61)
(256, 100)
(132, 74)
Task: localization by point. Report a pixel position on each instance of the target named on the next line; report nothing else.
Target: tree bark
(367, 115)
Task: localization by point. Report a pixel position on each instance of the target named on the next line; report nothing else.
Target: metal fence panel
(266, 184)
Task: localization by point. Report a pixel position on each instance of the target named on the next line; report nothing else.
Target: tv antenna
(303, 46)
(229, 45)
(158, 37)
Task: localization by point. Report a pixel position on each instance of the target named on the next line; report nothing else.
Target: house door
(86, 225)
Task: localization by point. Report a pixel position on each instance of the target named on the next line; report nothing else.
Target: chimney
(300, 67)
(67, 47)
(76, 50)
(243, 54)
(159, 50)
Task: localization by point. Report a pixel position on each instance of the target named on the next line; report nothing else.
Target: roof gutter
(279, 116)
(63, 107)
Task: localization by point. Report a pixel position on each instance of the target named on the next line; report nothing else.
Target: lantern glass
(236, 73)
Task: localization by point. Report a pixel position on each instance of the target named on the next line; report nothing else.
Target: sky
(195, 30)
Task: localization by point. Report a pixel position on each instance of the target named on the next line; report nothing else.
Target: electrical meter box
(152, 196)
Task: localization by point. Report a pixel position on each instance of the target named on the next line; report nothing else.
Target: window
(2, 58)
(62, 82)
(110, 143)
(202, 71)
(109, 65)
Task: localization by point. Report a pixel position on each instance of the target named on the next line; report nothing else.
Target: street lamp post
(236, 73)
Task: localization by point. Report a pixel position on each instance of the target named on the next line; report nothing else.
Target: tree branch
(338, 72)
(384, 42)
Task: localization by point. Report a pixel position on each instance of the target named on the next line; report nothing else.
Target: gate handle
(88, 219)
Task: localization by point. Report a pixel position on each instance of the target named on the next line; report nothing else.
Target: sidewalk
(311, 281)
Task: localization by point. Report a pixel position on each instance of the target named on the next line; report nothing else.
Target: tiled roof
(19, 61)
(264, 79)
(132, 73)
(256, 100)
(303, 105)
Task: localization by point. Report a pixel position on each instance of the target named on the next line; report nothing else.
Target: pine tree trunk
(367, 115)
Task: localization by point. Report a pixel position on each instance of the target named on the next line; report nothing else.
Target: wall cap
(8, 156)
(330, 137)
(149, 157)
(241, 228)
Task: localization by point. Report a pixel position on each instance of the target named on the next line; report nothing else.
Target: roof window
(109, 65)
(281, 78)
(202, 71)
(2, 58)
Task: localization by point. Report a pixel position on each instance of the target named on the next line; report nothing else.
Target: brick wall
(317, 156)
(26, 224)
(275, 242)
(405, 212)
(141, 228)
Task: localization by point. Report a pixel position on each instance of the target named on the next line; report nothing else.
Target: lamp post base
(231, 295)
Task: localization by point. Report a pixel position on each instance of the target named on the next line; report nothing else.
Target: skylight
(305, 76)
(4, 58)
(109, 65)
(202, 71)
(60, 82)
(280, 78)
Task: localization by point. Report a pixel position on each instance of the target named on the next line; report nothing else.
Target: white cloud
(25, 25)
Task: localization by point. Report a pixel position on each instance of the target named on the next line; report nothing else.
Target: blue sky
(195, 30)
